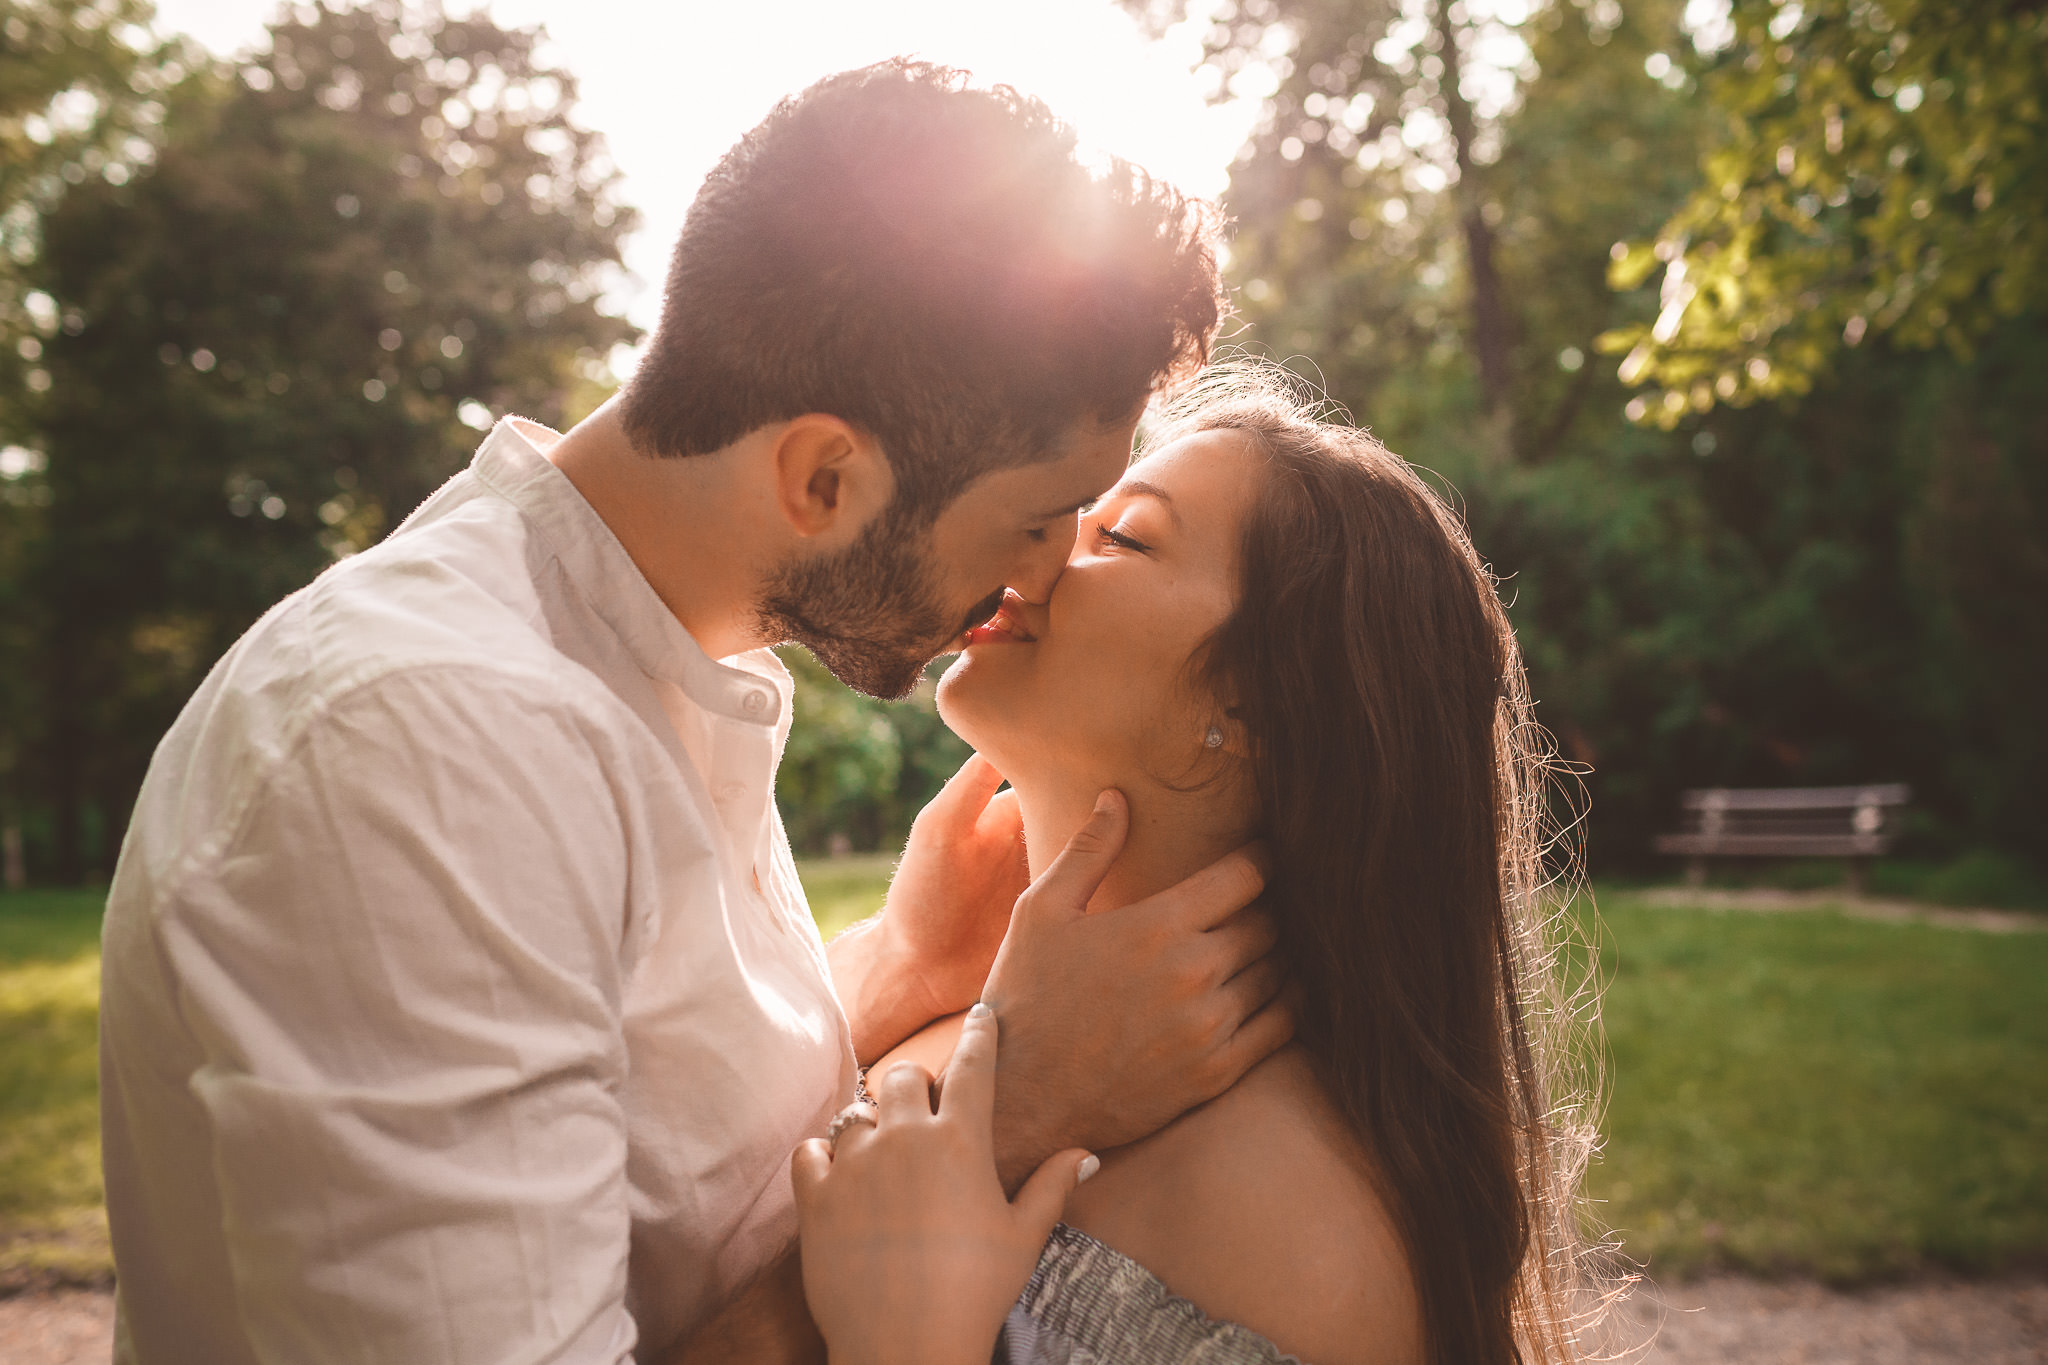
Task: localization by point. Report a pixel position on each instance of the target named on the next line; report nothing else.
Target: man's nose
(1035, 576)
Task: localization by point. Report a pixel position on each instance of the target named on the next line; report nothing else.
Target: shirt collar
(512, 462)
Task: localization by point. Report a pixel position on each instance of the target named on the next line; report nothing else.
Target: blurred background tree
(857, 771)
(1426, 212)
(1720, 321)
(1876, 170)
(1723, 319)
(76, 81)
(1837, 588)
(262, 344)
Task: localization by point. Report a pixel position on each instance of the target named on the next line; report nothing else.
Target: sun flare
(672, 85)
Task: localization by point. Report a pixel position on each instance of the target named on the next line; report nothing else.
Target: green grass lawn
(1807, 1091)
(51, 1224)
(843, 890)
(1786, 1092)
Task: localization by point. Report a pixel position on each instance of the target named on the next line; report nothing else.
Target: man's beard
(867, 612)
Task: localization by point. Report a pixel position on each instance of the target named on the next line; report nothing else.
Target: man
(460, 1000)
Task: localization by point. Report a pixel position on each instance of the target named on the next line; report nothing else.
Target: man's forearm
(767, 1324)
(884, 996)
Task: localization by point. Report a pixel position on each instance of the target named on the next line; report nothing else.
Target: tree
(1881, 169)
(1841, 591)
(1391, 109)
(1836, 592)
(279, 336)
(76, 86)
(76, 81)
(1407, 198)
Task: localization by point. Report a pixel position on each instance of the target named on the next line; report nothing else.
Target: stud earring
(1214, 739)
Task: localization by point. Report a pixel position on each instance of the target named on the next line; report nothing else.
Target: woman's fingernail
(978, 1010)
(1090, 1164)
(1106, 802)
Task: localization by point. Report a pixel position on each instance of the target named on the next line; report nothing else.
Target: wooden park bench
(1855, 823)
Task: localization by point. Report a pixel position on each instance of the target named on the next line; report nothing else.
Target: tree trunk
(1489, 310)
(1541, 447)
(64, 760)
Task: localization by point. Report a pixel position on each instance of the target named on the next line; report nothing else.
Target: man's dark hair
(932, 263)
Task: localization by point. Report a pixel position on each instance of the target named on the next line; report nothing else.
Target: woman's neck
(1173, 834)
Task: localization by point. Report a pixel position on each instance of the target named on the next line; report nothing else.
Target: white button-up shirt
(460, 999)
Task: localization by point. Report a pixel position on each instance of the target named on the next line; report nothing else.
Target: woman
(1270, 627)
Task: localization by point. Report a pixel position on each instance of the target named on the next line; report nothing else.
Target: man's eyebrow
(1139, 488)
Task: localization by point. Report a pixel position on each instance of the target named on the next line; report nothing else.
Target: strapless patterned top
(1088, 1304)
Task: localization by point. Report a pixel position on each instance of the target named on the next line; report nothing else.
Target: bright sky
(672, 83)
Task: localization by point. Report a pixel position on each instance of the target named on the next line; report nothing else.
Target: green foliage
(1839, 593)
(1803, 1092)
(1881, 170)
(1359, 253)
(1366, 208)
(1985, 877)
(1842, 590)
(268, 345)
(1424, 218)
(1773, 596)
(857, 771)
(76, 81)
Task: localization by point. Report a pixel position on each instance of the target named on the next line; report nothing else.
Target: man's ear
(829, 476)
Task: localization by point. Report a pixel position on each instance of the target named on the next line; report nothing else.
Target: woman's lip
(1002, 628)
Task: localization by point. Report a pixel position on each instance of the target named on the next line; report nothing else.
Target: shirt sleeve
(405, 970)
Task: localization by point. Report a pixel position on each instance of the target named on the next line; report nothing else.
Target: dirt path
(65, 1327)
(1865, 907)
(1926, 1322)
(1710, 1322)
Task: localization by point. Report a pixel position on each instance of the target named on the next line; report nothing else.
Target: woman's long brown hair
(1401, 783)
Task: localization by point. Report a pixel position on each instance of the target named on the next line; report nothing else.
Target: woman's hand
(911, 1254)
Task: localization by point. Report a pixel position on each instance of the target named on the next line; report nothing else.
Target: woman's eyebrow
(1139, 488)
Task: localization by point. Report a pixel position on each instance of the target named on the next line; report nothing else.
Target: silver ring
(859, 1112)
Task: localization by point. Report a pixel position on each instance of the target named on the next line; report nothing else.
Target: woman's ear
(1236, 741)
(831, 478)
(1224, 733)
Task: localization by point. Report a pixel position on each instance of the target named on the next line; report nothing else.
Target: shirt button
(754, 702)
(732, 791)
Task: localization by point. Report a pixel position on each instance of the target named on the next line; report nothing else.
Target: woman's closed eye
(1123, 540)
(1039, 533)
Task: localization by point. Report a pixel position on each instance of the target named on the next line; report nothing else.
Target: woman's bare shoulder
(1260, 1208)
